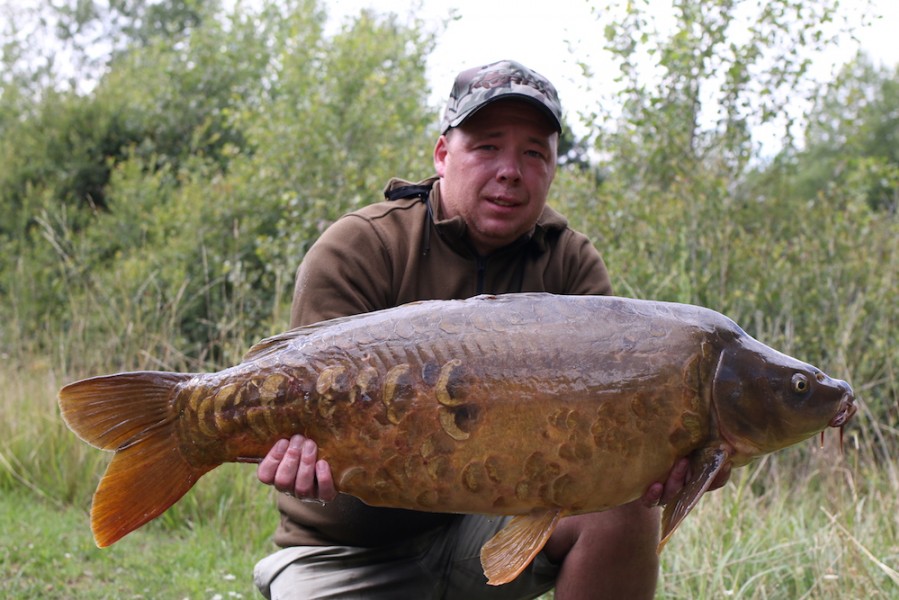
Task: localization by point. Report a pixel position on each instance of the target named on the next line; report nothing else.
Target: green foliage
(852, 140)
(343, 119)
(172, 214)
(48, 553)
(690, 96)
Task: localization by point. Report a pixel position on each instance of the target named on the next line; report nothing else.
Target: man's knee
(630, 526)
(611, 554)
(632, 521)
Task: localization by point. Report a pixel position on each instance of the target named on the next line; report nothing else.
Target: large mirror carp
(533, 405)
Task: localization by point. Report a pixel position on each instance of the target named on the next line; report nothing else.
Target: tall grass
(205, 545)
(47, 553)
(819, 527)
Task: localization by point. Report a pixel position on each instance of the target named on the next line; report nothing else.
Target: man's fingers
(661, 494)
(327, 491)
(292, 467)
(677, 478)
(266, 469)
(653, 495)
(286, 474)
(722, 478)
(304, 486)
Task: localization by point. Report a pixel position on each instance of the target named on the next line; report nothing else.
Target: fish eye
(800, 383)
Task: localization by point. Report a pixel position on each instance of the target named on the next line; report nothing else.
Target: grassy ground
(47, 552)
(820, 528)
(204, 547)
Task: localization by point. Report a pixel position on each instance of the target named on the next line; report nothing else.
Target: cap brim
(459, 119)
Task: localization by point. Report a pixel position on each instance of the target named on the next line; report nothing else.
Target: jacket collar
(453, 230)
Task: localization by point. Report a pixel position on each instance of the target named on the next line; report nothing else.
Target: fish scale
(534, 405)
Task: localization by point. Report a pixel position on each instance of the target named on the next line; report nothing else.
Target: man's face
(496, 169)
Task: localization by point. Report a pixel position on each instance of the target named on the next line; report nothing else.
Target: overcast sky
(543, 34)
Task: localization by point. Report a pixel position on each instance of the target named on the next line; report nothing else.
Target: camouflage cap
(477, 87)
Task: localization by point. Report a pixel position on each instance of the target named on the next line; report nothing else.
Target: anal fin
(507, 553)
(704, 466)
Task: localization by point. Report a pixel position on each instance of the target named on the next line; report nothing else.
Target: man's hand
(663, 493)
(291, 466)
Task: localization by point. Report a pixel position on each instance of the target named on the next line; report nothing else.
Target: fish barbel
(534, 405)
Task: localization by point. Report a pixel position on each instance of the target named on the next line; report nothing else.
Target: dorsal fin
(279, 341)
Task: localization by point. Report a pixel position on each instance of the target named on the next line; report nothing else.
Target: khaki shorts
(444, 563)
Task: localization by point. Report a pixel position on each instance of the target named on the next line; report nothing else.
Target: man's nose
(509, 168)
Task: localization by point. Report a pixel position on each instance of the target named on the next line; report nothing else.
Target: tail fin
(131, 414)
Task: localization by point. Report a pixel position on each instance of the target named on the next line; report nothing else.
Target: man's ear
(440, 151)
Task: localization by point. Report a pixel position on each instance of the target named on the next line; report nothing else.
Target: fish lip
(846, 411)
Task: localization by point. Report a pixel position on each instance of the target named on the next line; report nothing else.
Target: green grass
(47, 552)
(818, 529)
(204, 547)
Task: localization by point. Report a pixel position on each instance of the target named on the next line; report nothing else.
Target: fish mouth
(846, 411)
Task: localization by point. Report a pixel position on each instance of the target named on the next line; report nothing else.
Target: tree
(852, 138)
(691, 95)
(174, 199)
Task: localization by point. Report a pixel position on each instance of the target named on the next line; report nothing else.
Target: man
(481, 226)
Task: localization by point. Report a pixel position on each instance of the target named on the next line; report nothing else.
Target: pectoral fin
(507, 553)
(704, 466)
